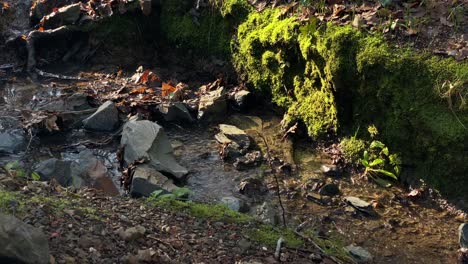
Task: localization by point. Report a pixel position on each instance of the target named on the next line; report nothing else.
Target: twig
(278, 248)
(275, 176)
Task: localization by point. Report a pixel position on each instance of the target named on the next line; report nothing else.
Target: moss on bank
(336, 78)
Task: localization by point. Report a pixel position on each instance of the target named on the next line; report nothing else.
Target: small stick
(279, 243)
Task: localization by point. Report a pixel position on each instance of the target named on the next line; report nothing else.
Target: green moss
(208, 211)
(352, 148)
(269, 235)
(208, 30)
(8, 200)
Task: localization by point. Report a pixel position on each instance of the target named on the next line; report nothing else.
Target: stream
(403, 231)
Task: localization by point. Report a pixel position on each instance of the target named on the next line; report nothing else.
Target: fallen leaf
(167, 89)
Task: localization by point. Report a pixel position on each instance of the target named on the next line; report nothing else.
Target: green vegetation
(269, 235)
(353, 149)
(378, 160)
(216, 212)
(8, 201)
(177, 194)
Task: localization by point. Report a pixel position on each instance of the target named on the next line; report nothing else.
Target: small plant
(177, 194)
(378, 161)
(15, 169)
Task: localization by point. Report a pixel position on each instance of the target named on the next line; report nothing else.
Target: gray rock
(463, 235)
(22, 243)
(329, 189)
(106, 118)
(237, 140)
(252, 187)
(241, 99)
(359, 254)
(213, 105)
(249, 160)
(12, 136)
(175, 112)
(66, 15)
(74, 102)
(147, 179)
(360, 205)
(67, 173)
(330, 170)
(232, 203)
(147, 140)
(266, 213)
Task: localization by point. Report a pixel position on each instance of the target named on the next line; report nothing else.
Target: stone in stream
(147, 140)
(359, 254)
(22, 243)
(66, 172)
(234, 204)
(237, 141)
(106, 118)
(463, 235)
(330, 170)
(12, 136)
(360, 205)
(329, 189)
(249, 160)
(175, 112)
(213, 105)
(146, 180)
(85, 170)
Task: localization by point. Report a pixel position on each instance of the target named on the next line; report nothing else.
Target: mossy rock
(352, 148)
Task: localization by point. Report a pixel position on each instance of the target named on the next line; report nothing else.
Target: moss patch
(208, 211)
(352, 148)
(269, 235)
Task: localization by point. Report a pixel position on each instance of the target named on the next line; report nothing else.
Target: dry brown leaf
(167, 89)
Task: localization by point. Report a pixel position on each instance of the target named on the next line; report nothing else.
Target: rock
(147, 179)
(360, 205)
(359, 254)
(43, 8)
(329, 189)
(12, 136)
(175, 112)
(266, 213)
(463, 235)
(67, 173)
(242, 99)
(106, 118)
(147, 140)
(244, 244)
(22, 243)
(234, 203)
(74, 102)
(83, 169)
(212, 105)
(66, 15)
(330, 170)
(132, 233)
(250, 160)
(252, 187)
(237, 140)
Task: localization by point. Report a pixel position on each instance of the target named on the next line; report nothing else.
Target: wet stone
(147, 140)
(213, 105)
(12, 136)
(360, 205)
(106, 118)
(147, 180)
(329, 189)
(360, 254)
(330, 170)
(177, 112)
